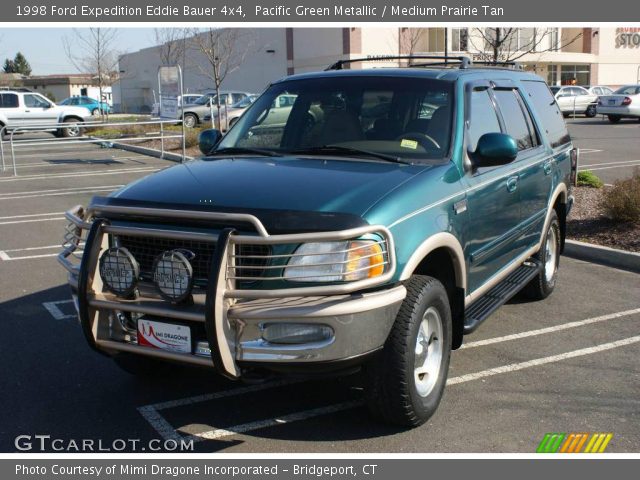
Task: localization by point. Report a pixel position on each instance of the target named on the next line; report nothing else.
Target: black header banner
(301, 11)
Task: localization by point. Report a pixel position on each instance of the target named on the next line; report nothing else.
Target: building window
(520, 40)
(436, 40)
(459, 39)
(554, 39)
(552, 75)
(575, 74)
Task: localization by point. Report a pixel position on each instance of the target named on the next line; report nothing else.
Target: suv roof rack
(16, 89)
(461, 62)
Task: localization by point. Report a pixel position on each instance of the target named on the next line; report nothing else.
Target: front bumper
(360, 313)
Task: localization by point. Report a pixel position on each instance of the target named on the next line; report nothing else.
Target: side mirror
(208, 139)
(495, 149)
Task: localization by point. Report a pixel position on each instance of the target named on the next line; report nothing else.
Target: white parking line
(608, 163)
(152, 412)
(31, 215)
(58, 192)
(86, 173)
(28, 249)
(589, 150)
(609, 168)
(54, 310)
(514, 367)
(32, 220)
(556, 328)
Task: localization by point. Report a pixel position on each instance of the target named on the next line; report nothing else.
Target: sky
(44, 51)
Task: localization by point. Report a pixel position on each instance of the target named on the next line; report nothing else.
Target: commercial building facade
(586, 56)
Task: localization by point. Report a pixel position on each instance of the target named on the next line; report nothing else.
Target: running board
(482, 308)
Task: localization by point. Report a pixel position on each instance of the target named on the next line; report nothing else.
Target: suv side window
(548, 112)
(35, 101)
(515, 118)
(8, 100)
(482, 119)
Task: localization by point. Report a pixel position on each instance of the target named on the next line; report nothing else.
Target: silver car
(195, 113)
(574, 99)
(623, 103)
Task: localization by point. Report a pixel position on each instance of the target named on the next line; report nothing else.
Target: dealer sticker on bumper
(164, 336)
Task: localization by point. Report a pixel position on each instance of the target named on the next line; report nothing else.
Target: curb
(611, 257)
(151, 152)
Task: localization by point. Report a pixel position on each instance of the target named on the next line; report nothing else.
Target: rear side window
(482, 119)
(514, 118)
(8, 100)
(548, 112)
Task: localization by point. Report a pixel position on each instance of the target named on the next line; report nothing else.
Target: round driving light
(173, 275)
(119, 271)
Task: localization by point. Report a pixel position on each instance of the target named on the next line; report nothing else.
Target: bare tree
(507, 44)
(172, 44)
(224, 50)
(409, 40)
(93, 51)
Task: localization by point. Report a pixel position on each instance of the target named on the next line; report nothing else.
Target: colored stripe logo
(574, 443)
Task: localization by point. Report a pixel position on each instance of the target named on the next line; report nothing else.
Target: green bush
(622, 201)
(587, 178)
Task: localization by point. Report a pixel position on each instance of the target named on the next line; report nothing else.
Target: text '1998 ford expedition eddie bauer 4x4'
(389, 214)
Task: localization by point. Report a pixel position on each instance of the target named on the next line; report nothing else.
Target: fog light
(119, 271)
(294, 333)
(173, 275)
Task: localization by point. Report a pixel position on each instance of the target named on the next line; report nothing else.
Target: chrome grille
(146, 250)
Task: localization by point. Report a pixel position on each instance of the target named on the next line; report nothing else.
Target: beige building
(58, 87)
(605, 56)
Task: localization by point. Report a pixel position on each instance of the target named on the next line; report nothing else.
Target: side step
(482, 308)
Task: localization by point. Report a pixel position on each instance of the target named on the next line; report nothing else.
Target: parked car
(21, 109)
(598, 89)
(189, 99)
(623, 103)
(231, 113)
(311, 247)
(575, 99)
(195, 113)
(91, 104)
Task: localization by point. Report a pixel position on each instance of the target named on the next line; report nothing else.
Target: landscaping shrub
(622, 201)
(589, 179)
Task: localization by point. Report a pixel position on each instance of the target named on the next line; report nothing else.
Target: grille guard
(220, 293)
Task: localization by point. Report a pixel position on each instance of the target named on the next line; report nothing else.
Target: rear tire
(549, 255)
(95, 112)
(613, 118)
(405, 382)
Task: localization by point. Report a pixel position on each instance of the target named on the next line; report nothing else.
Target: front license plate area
(164, 336)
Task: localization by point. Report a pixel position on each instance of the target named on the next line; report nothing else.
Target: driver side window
(482, 119)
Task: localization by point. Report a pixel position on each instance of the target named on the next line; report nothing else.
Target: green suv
(388, 215)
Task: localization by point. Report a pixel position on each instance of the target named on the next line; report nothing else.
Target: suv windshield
(394, 116)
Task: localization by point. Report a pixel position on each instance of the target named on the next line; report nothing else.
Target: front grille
(146, 250)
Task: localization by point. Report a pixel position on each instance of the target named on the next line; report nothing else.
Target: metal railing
(14, 143)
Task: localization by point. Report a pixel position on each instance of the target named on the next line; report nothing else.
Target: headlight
(336, 261)
(119, 271)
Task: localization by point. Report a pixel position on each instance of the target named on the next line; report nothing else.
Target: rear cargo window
(548, 112)
(8, 100)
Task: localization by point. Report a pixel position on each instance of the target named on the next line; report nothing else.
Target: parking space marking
(86, 173)
(589, 150)
(556, 328)
(151, 413)
(28, 249)
(54, 310)
(636, 163)
(29, 215)
(32, 220)
(514, 367)
(58, 192)
(609, 163)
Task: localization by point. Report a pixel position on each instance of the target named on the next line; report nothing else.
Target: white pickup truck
(23, 108)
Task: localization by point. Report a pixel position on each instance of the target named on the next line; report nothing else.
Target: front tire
(71, 130)
(190, 120)
(591, 111)
(405, 382)
(549, 255)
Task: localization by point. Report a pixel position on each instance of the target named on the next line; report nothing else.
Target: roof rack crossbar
(463, 62)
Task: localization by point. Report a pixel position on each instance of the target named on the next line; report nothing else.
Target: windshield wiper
(338, 149)
(240, 150)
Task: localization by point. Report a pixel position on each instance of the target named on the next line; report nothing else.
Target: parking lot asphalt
(566, 364)
(612, 152)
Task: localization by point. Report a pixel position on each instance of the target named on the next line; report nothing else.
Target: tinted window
(548, 112)
(514, 119)
(482, 119)
(8, 100)
(580, 91)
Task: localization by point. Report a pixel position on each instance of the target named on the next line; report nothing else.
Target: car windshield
(555, 90)
(204, 100)
(245, 102)
(398, 117)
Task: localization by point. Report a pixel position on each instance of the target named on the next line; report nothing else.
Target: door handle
(547, 167)
(512, 184)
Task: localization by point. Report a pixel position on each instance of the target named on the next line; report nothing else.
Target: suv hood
(266, 183)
